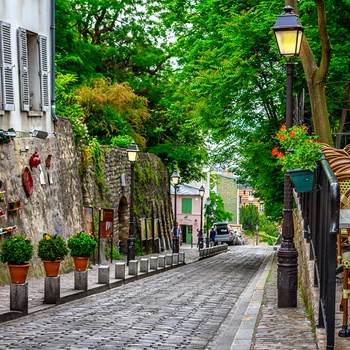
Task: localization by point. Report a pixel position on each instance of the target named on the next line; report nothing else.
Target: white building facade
(27, 95)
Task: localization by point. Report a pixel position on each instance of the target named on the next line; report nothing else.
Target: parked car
(224, 234)
(241, 240)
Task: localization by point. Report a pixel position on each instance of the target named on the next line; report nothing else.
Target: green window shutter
(187, 205)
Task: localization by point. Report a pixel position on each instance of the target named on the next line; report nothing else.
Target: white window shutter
(7, 93)
(23, 69)
(44, 74)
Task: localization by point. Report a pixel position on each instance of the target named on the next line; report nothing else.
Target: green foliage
(116, 255)
(17, 250)
(226, 88)
(249, 217)
(52, 247)
(220, 214)
(82, 245)
(268, 226)
(122, 141)
(298, 149)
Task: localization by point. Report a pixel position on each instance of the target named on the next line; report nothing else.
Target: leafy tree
(267, 226)
(122, 43)
(249, 217)
(219, 214)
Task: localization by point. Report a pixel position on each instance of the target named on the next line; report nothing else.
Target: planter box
(303, 179)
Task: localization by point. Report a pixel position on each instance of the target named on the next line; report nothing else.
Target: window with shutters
(6, 68)
(187, 205)
(33, 67)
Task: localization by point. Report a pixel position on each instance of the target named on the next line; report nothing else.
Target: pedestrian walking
(212, 234)
(176, 232)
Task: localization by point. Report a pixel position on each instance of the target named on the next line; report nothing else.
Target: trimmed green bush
(82, 245)
(52, 247)
(17, 250)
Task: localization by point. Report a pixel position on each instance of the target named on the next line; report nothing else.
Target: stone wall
(305, 265)
(61, 189)
(151, 195)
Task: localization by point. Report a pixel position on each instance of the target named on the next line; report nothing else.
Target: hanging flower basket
(303, 179)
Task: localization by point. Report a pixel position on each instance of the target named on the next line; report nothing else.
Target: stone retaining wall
(61, 189)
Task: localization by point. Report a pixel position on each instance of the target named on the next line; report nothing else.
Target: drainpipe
(53, 43)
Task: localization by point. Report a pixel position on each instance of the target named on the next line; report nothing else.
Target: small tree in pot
(51, 250)
(16, 251)
(82, 246)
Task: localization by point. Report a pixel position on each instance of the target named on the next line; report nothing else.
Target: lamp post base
(176, 245)
(131, 249)
(287, 282)
(200, 242)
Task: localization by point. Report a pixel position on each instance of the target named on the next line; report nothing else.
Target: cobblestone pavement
(183, 308)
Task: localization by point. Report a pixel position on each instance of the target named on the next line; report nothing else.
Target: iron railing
(320, 211)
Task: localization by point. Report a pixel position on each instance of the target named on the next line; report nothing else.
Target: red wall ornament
(34, 160)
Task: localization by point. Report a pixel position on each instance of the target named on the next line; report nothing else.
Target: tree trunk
(316, 75)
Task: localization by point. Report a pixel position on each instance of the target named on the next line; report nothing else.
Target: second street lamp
(289, 34)
(175, 177)
(200, 236)
(207, 203)
(132, 155)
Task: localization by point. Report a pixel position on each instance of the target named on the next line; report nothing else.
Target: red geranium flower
(274, 152)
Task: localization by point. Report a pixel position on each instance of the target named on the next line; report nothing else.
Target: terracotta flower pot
(18, 273)
(51, 267)
(81, 263)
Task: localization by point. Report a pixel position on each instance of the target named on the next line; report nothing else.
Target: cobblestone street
(182, 308)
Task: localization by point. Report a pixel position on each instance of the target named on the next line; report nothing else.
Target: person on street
(176, 231)
(212, 234)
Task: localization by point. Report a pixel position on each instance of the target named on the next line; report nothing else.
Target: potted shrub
(16, 251)
(51, 250)
(82, 246)
(298, 153)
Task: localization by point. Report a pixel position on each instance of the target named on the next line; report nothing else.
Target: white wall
(35, 17)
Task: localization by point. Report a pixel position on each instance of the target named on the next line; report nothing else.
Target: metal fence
(320, 211)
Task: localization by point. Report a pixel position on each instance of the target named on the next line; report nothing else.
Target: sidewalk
(281, 328)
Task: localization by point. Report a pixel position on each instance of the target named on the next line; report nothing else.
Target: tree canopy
(200, 82)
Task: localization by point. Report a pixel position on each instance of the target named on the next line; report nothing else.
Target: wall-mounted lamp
(40, 134)
(25, 151)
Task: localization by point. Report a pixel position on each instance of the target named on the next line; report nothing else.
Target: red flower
(274, 152)
(283, 127)
(280, 155)
(292, 134)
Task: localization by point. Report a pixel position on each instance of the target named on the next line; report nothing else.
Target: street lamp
(200, 237)
(175, 177)
(207, 203)
(132, 155)
(289, 33)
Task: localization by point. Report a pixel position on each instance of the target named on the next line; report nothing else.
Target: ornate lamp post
(200, 237)
(207, 203)
(289, 33)
(175, 177)
(132, 155)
